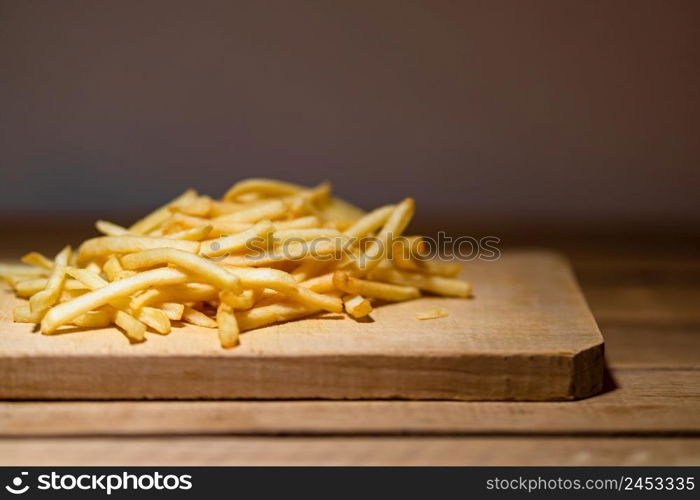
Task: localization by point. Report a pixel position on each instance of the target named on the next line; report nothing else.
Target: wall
(578, 110)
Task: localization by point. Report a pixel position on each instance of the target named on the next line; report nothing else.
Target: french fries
(193, 234)
(228, 326)
(266, 253)
(205, 269)
(110, 229)
(187, 292)
(173, 310)
(245, 300)
(41, 301)
(269, 210)
(160, 215)
(435, 284)
(262, 187)
(238, 242)
(195, 317)
(435, 313)
(375, 289)
(113, 268)
(67, 311)
(151, 317)
(105, 246)
(38, 260)
(357, 306)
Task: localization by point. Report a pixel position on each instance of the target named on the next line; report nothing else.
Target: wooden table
(644, 293)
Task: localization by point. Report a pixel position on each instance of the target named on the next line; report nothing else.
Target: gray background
(540, 110)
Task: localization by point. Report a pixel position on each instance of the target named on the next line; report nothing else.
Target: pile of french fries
(267, 252)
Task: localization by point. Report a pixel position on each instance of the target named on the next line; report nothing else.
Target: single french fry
(133, 328)
(110, 229)
(439, 268)
(99, 318)
(228, 326)
(198, 318)
(435, 284)
(40, 302)
(250, 198)
(435, 313)
(394, 293)
(172, 310)
(125, 274)
(237, 242)
(65, 312)
(357, 306)
(153, 317)
(315, 300)
(266, 187)
(160, 215)
(198, 207)
(12, 279)
(240, 302)
(196, 233)
(22, 314)
(267, 296)
(320, 284)
(104, 246)
(264, 278)
(22, 271)
(94, 267)
(306, 222)
(269, 210)
(263, 259)
(340, 225)
(273, 313)
(38, 260)
(67, 295)
(403, 263)
(28, 287)
(186, 292)
(112, 268)
(401, 256)
(178, 221)
(309, 234)
(225, 207)
(203, 268)
(15, 274)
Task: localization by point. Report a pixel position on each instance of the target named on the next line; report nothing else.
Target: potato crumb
(438, 312)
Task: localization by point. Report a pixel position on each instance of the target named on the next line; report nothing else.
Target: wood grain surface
(643, 295)
(326, 451)
(527, 335)
(646, 396)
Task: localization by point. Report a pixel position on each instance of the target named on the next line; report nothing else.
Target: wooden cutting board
(526, 335)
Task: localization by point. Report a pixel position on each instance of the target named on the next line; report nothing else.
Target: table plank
(645, 346)
(194, 451)
(647, 402)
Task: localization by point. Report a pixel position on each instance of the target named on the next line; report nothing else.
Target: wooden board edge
(469, 377)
